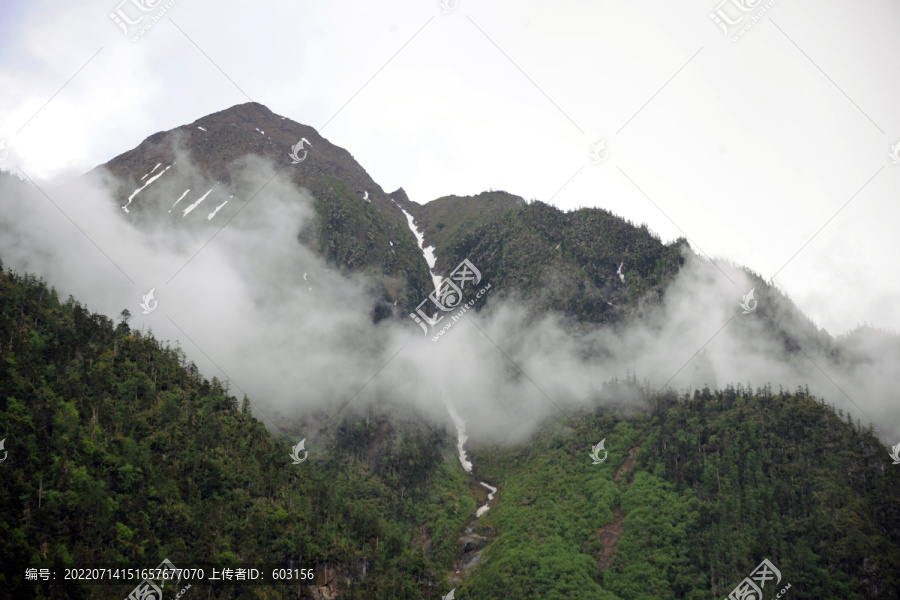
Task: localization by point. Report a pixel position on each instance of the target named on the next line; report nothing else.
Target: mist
(253, 306)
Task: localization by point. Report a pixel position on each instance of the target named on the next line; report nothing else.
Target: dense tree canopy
(121, 452)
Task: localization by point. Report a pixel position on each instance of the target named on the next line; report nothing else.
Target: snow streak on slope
(428, 252)
(196, 204)
(213, 213)
(461, 439)
(180, 199)
(483, 509)
(149, 181)
(461, 436)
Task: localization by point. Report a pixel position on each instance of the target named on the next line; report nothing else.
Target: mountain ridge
(588, 263)
(121, 450)
(360, 227)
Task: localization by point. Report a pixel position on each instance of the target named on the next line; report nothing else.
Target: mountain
(587, 263)
(120, 451)
(188, 174)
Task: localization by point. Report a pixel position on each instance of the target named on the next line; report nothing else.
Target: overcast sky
(772, 151)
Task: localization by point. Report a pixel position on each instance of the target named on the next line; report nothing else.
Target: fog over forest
(257, 308)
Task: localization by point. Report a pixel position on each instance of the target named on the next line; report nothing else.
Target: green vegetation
(355, 235)
(120, 452)
(721, 481)
(563, 261)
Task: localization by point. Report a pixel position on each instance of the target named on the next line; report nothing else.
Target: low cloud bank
(252, 305)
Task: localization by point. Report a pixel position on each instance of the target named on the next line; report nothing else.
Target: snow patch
(461, 439)
(196, 204)
(180, 199)
(200, 128)
(213, 213)
(483, 509)
(461, 436)
(149, 181)
(428, 252)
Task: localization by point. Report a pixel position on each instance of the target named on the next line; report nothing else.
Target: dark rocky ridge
(554, 260)
(232, 134)
(353, 233)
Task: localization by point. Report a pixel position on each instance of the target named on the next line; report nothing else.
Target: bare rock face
(203, 174)
(329, 584)
(215, 142)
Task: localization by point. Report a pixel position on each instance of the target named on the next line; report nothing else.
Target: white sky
(749, 150)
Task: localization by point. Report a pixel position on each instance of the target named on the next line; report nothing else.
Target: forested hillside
(720, 481)
(587, 263)
(120, 451)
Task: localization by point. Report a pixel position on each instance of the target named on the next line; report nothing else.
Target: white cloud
(749, 150)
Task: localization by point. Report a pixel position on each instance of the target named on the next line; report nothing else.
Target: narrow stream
(461, 436)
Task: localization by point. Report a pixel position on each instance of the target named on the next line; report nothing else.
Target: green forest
(121, 452)
(558, 260)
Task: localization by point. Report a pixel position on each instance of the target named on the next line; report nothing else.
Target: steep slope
(125, 440)
(216, 141)
(190, 175)
(587, 263)
(120, 452)
(600, 268)
(694, 494)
